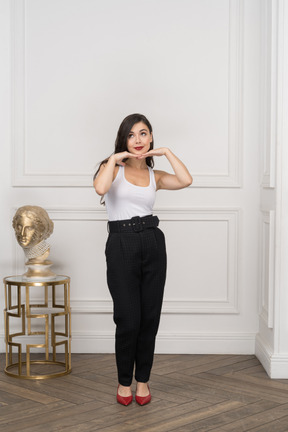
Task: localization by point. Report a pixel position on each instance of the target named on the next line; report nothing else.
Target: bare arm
(181, 179)
(108, 171)
(104, 179)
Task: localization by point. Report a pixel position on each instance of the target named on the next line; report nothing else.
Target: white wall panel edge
(74, 213)
(268, 102)
(17, 87)
(166, 343)
(99, 306)
(166, 213)
(236, 90)
(22, 178)
(266, 312)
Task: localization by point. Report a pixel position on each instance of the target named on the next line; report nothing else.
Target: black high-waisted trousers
(136, 273)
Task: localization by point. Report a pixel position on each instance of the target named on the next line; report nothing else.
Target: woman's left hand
(154, 152)
(181, 177)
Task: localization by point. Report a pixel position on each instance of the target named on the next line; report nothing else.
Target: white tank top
(125, 200)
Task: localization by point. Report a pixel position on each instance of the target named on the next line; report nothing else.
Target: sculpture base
(39, 271)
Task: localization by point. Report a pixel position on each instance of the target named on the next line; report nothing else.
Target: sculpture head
(31, 225)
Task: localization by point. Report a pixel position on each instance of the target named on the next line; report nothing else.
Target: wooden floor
(190, 393)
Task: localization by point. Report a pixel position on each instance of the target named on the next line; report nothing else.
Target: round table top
(21, 280)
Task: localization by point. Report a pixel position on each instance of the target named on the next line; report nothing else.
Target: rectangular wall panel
(63, 122)
(196, 240)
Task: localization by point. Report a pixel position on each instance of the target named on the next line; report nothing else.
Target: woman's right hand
(107, 172)
(118, 157)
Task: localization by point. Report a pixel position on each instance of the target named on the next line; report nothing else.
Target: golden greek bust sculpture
(32, 227)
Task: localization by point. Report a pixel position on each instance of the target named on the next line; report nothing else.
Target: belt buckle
(136, 224)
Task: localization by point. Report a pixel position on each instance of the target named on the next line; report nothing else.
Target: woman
(135, 248)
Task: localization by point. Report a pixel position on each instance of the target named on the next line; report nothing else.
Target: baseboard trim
(276, 365)
(264, 353)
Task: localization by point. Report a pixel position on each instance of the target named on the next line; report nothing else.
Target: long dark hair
(122, 135)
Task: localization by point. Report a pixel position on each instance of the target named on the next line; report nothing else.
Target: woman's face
(26, 232)
(139, 139)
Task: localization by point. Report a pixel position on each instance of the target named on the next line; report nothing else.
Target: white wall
(71, 71)
(272, 339)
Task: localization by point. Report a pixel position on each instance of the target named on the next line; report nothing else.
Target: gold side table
(23, 314)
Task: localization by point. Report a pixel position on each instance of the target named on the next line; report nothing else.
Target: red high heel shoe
(143, 400)
(124, 400)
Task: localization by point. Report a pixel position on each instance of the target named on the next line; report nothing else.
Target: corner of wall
(276, 365)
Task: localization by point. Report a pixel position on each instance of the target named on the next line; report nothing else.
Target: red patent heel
(143, 400)
(124, 400)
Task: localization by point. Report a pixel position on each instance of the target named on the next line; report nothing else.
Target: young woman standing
(135, 249)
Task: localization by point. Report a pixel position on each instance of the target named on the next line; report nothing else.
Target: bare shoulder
(158, 176)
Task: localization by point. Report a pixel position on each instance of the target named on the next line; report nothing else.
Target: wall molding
(266, 311)
(22, 177)
(268, 100)
(276, 365)
(264, 353)
(166, 343)
(227, 305)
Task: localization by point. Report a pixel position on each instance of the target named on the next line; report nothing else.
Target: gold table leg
(27, 317)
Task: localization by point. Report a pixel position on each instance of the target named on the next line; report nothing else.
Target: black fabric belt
(136, 224)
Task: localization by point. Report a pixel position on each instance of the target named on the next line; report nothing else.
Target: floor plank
(190, 393)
